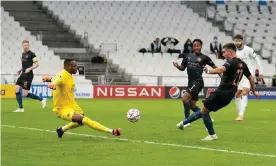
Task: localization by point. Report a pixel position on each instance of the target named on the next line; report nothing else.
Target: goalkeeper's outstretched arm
(53, 81)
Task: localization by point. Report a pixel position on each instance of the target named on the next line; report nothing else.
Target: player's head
(25, 45)
(197, 44)
(229, 51)
(70, 65)
(238, 41)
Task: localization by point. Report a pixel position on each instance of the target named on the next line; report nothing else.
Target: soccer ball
(133, 115)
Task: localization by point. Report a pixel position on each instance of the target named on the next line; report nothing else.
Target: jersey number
(237, 80)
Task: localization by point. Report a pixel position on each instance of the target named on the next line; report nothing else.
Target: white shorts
(244, 83)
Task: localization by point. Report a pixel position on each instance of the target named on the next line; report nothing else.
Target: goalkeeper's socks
(33, 96)
(19, 99)
(95, 125)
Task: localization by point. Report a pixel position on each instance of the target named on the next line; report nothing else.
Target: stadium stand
(256, 21)
(135, 25)
(12, 36)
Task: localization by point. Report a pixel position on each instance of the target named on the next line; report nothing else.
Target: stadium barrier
(161, 92)
(81, 90)
(177, 92)
(7, 91)
(134, 92)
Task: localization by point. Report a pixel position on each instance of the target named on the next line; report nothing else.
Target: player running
(194, 62)
(233, 71)
(65, 106)
(246, 54)
(29, 63)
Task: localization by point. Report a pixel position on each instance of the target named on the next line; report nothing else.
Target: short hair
(230, 46)
(198, 40)
(238, 36)
(67, 61)
(25, 41)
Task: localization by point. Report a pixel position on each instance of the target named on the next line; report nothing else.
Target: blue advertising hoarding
(41, 90)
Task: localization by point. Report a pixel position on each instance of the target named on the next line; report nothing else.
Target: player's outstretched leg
(60, 130)
(195, 116)
(35, 97)
(208, 124)
(19, 99)
(80, 119)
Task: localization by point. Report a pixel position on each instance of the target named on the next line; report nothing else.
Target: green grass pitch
(158, 142)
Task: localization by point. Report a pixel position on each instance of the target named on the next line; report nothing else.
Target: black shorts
(218, 99)
(25, 80)
(194, 89)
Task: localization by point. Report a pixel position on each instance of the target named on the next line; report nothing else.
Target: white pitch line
(268, 110)
(150, 142)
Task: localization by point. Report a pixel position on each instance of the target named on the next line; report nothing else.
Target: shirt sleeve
(34, 58)
(57, 79)
(227, 65)
(184, 61)
(209, 61)
(246, 71)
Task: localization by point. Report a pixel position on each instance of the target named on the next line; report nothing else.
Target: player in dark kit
(233, 71)
(194, 62)
(29, 62)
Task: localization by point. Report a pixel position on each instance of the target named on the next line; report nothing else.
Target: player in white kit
(246, 54)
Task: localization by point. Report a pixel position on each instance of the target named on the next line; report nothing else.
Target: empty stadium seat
(49, 64)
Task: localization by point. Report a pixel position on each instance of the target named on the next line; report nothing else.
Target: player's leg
(193, 105)
(80, 119)
(238, 100)
(60, 130)
(208, 124)
(186, 104)
(70, 115)
(27, 86)
(244, 102)
(18, 98)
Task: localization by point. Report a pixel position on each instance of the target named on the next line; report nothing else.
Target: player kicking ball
(248, 55)
(65, 106)
(24, 81)
(194, 62)
(233, 70)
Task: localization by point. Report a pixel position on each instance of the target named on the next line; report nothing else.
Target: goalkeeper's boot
(116, 132)
(60, 132)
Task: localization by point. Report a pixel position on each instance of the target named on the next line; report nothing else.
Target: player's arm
(54, 81)
(212, 64)
(218, 70)
(249, 76)
(183, 65)
(257, 60)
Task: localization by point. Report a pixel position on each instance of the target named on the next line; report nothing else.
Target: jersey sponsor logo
(174, 92)
(129, 92)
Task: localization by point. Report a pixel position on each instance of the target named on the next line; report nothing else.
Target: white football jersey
(247, 54)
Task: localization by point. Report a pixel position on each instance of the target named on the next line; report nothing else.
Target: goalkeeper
(65, 106)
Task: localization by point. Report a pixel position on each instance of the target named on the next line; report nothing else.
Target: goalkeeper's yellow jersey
(63, 95)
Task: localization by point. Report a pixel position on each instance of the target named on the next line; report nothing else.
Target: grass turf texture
(23, 147)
